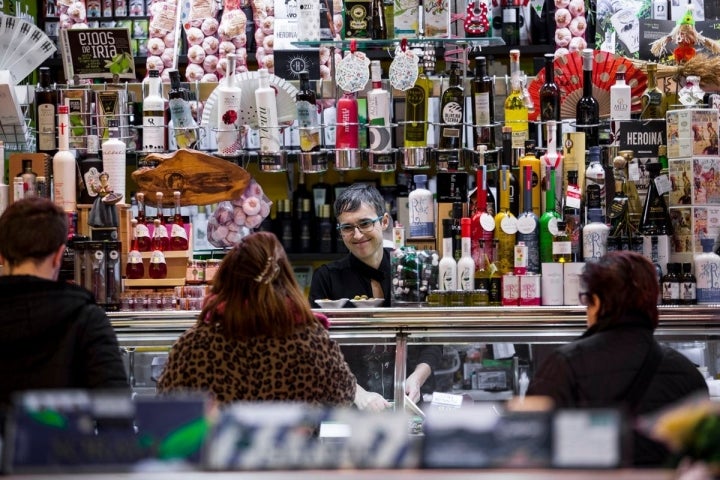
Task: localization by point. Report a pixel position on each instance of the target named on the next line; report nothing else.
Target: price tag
(663, 185)
(446, 399)
(487, 222)
(634, 170)
(572, 199)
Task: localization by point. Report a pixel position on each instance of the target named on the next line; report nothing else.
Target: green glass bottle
(548, 220)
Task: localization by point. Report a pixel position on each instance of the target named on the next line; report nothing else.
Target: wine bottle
(466, 264)
(114, 158)
(160, 233)
(516, 111)
(154, 115)
(416, 111)
(447, 268)
(655, 224)
(653, 99)
(452, 111)
(307, 112)
(178, 235)
(511, 23)
(184, 127)
(550, 102)
(347, 131)
(134, 268)
(505, 225)
(46, 101)
(266, 104)
(620, 98)
(228, 109)
(284, 224)
(562, 246)
(378, 105)
(531, 160)
(572, 215)
(548, 221)
(688, 293)
(514, 184)
(457, 216)
(64, 165)
(324, 230)
(158, 266)
(483, 101)
(528, 230)
(142, 232)
(587, 111)
(483, 226)
(422, 210)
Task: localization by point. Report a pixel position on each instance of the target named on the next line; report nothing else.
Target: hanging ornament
(353, 71)
(404, 68)
(476, 19)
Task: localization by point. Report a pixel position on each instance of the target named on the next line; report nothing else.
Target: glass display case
(484, 350)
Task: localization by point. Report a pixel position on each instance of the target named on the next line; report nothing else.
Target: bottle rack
(177, 262)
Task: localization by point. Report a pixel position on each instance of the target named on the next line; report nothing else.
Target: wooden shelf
(152, 282)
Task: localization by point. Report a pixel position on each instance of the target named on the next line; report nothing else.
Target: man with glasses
(361, 217)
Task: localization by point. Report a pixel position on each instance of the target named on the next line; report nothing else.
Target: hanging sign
(97, 53)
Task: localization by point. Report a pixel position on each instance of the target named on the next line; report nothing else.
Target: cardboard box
(40, 165)
(405, 18)
(692, 132)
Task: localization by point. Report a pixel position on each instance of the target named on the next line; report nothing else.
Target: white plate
(332, 303)
(368, 303)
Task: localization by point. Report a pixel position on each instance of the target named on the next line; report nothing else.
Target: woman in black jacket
(617, 362)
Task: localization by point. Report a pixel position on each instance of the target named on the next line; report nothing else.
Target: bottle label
(452, 113)
(416, 106)
(153, 131)
(482, 108)
(157, 257)
(670, 291)
(594, 243)
(178, 231)
(687, 291)
(422, 218)
(46, 127)
(509, 225)
(135, 257)
(707, 271)
(573, 196)
(562, 248)
(487, 222)
(308, 122)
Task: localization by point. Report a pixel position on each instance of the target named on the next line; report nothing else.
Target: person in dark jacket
(361, 216)
(603, 367)
(52, 335)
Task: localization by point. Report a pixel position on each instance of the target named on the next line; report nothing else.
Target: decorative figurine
(103, 212)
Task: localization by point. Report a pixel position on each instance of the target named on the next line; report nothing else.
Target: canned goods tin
(457, 298)
(195, 272)
(510, 290)
(479, 298)
(530, 289)
(211, 268)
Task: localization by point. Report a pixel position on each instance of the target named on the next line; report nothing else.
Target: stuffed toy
(686, 38)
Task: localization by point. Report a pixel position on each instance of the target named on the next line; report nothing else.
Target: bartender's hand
(370, 401)
(416, 380)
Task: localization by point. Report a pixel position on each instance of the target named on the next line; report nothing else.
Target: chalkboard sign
(97, 53)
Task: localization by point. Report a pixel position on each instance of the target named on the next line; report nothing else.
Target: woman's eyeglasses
(364, 226)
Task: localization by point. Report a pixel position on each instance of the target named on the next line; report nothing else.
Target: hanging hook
(353, 46)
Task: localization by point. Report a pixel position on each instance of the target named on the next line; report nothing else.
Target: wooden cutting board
(201, 178)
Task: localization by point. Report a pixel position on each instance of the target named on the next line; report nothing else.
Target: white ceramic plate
(368, 303)
(332, 303)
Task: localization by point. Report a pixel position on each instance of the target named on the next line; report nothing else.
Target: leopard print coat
(306, 367)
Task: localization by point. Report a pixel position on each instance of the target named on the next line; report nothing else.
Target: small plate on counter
(367, 302)
(332, 303)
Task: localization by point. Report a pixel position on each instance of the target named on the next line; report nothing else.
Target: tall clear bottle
(620, 98)
(516, 111)
(228, 110)
(595, 233)
(114, 158)
(548, 221)
(587, 111)
(505, 226)
(528, 225)
(46, 102)
(422, 210)
(550, 102)
(64, 166)
(653, 99)
(154, 115)
(184, 126)
(466, 264)
(483, 101)
(452, 108)
(416, 111)
(267, 116)
(308, 119)
(29, 179)
(378, 104)
(447, 268)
